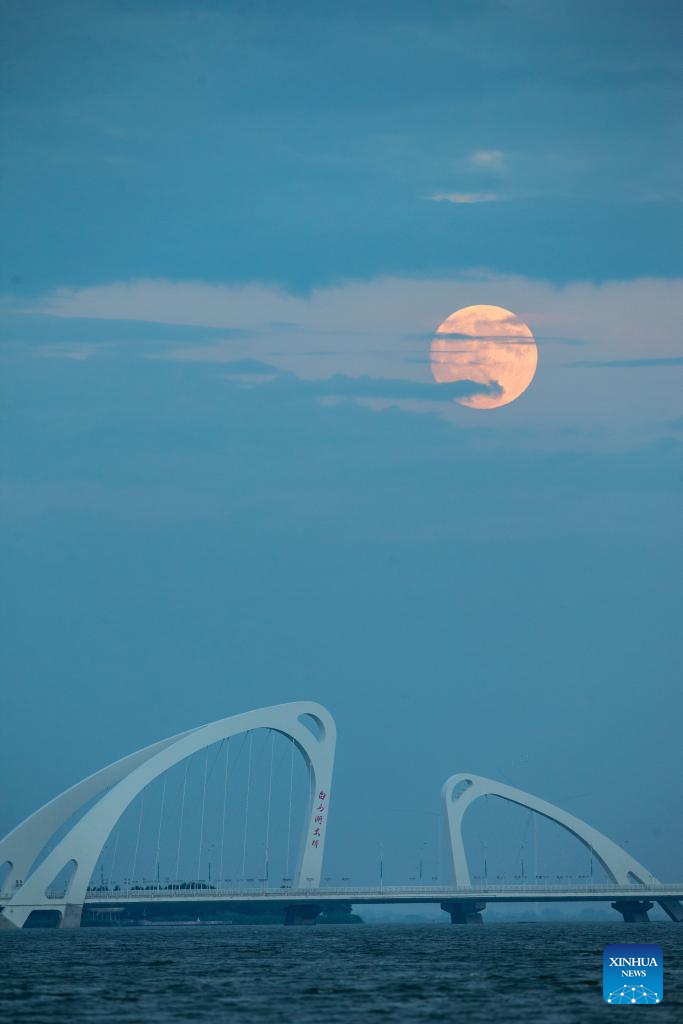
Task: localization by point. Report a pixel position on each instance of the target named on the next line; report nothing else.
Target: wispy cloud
(491, 158)
(465, 197)
(355, 388)
(344, 386)
(630, 364)
(249, 367)
(383, 329)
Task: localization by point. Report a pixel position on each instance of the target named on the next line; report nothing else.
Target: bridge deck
(389, 894)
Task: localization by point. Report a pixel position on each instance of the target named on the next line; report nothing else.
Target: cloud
(630, 364)
(465, 198)
(619, 320)
(345, 387)
(492, 158)
(37, 325)
(382, 329)
(249, 367)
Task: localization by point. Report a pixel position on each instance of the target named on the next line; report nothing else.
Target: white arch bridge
(49, 859)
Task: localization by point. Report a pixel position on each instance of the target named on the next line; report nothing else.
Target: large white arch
(461, 790)
(21, 846)
(117, 785)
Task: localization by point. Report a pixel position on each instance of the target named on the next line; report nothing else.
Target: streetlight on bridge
(423, 848)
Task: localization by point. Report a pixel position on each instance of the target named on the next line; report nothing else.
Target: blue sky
(229, 232)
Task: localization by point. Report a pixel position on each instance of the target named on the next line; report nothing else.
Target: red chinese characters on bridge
(319, 819)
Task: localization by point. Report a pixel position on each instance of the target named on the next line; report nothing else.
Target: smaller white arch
(461, 790)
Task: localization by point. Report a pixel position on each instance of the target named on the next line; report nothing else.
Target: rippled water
(548, 972)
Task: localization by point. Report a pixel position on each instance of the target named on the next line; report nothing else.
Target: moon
(488, 345)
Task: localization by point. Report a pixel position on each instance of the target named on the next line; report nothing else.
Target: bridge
(50, 859)
(303, 906)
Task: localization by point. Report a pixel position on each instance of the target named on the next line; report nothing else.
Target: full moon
(488, 345)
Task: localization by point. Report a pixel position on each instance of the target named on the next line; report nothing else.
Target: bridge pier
(633, 911)
(302, 913)
(464, 911)
(71, 915)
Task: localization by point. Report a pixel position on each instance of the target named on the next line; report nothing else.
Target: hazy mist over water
(549, 972)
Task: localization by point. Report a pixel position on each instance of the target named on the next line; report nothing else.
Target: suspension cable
(289, 816)
(180, 827)
(535, 824)
(270, 793)
(201, 824)
(113, 859)
(225, 802)
(246, 807)
(137, 841)
(161, 818)
(439, 841)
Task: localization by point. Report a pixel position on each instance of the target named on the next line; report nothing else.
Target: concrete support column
(464, 911)
(71, 915)
(302, 913)
(633, 911)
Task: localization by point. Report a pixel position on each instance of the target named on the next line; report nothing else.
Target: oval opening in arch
(61, 883)
(5, 869)
(459, 788)
(314, 725)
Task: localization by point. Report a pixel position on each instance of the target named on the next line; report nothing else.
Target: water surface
(494, 972)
